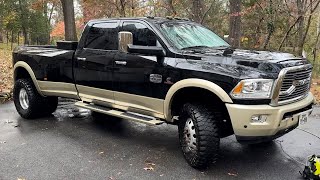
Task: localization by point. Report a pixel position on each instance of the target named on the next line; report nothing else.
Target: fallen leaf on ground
(9, 121)
(150, 164)
(149, 168)
(232, 174)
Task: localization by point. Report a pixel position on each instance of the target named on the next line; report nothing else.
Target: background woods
(285, 25)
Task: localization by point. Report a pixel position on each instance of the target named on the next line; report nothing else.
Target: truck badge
(155, 78)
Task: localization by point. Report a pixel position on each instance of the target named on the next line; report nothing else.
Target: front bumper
(280, 120)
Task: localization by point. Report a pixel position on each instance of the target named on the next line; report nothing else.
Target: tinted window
(142, 35)
(103, 36)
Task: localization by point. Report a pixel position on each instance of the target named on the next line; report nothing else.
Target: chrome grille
(293, 84)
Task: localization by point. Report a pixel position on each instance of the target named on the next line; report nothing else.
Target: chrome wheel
(23, 99)
(190, 136)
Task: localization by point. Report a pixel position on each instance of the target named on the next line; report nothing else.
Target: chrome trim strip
(278, 85)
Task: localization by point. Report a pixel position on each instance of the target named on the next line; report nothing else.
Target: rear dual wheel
(29, 103)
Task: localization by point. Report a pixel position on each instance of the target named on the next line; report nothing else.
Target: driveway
(73, 145)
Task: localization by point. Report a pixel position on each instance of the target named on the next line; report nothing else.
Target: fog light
(259, 118)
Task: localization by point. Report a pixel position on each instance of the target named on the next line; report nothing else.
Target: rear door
(94, 63)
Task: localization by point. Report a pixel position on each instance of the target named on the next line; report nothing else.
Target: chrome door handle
(121, 63)
(81, 59)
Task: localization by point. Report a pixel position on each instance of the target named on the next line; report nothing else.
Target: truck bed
(47, 62)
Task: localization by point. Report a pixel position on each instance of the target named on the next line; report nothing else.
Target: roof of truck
(149, 19)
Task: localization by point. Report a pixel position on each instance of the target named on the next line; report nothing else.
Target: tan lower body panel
(60, 89)
(240, 116)
(124, 101)
(141, 104)
(89, 94)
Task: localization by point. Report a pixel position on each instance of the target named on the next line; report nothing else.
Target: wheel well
(20, 73)
(200, 95)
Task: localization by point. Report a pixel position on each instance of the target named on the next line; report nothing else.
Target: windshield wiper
(221, 47)
(194, 47)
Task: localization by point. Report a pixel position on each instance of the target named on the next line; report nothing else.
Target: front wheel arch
(192, 83)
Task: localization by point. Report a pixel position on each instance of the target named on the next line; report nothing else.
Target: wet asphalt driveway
(72, 145)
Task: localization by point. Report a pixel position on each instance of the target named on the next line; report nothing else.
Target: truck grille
(295, 84)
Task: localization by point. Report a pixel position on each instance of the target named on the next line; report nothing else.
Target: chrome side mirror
(125, 38)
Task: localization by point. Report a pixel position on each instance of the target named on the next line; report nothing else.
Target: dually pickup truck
(163, 70)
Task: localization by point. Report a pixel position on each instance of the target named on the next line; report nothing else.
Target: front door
(94, 63)
(138, 80)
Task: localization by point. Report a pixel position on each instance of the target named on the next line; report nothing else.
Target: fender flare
(192, 82)
(24, 65)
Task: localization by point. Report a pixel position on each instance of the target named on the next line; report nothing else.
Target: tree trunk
(300, 7)
(122, 8)
(1, 37)
(197, 9)
(7, 38)
(206, 13)
(270, 25)
(12, 39)
(69, 20)
(235, 23)
(171, 11)
(24, 21)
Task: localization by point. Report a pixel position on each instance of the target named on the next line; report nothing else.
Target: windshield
(191, 35)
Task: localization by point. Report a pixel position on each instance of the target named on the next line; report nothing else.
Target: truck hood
(242, 64)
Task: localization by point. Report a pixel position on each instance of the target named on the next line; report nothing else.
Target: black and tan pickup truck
(162, 70)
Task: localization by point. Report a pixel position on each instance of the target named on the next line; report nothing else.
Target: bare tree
(69, 20)
(171, 11)
(235, 23)
(197, 9)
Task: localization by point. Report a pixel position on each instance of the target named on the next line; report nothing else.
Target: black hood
(242, 64)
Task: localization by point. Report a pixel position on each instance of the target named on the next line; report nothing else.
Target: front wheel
(29, 103)
(198, 134)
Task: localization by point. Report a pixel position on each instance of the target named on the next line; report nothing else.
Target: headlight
(253, 89)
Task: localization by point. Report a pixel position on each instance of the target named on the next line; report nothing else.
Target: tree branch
(288, 31)
(205, 14)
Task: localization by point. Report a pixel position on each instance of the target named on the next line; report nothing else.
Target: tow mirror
(146, 50)
(125, 38)
(226, 37)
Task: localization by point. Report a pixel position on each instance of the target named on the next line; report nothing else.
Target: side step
(125, 115)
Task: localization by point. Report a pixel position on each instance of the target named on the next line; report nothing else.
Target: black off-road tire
(39, 106)
(206, 132)
(51, 104)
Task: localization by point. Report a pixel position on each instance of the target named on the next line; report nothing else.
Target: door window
(142, 35)
(103, 36)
